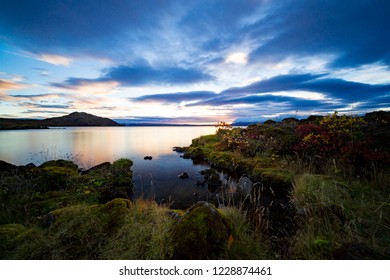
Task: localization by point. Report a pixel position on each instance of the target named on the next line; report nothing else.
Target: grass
(332, 214)
(337, 207)
(119, 229)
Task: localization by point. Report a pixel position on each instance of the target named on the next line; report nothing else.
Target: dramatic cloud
(137, 75)
(88, 86)
(6, 85)
(176, 97)
(39, 96)
(335, 94)
(354, 32)
(206, 58)
(146, 74)
(55, 59)
(98, 28)
(44, 105)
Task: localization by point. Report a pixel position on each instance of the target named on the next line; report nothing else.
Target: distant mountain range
(73, 119)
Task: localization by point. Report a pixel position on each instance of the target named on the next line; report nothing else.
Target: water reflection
(90, 146)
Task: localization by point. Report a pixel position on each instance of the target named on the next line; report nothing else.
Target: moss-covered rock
(55, 175)
(202, 233)
(111, 181)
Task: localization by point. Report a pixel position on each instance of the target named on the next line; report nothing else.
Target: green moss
(202, 233)
(60, 163)
(122, 164)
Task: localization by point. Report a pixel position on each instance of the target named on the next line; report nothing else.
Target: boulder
(201, 233)
(212, 178)
(111, 181)
(148, 158)
(56, 175)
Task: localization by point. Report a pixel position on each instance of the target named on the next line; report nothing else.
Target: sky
(194, 61)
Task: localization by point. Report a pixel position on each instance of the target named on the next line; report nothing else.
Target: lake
(89, 146)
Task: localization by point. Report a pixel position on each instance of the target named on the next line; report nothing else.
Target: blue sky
(194, 61)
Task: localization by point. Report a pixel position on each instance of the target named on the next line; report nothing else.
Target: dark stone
(148, 158)
(211, 177)
(98, 168)
(197, 196)
(244, 185)
(180, 149)
(183, 175)
(201, 233)
(213, 182)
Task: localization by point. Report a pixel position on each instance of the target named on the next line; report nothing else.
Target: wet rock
(180, 149)
(201, 233)
(212, 179)
(183, 175)
(197, 196)
(244, 185)
(213, 182)
(148, 158)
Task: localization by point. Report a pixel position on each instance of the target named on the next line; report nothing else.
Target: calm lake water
(89, 146)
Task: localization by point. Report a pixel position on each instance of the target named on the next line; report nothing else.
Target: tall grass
(331, 213)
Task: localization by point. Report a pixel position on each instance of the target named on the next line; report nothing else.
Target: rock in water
(183, 175)
(202, 233)
(245, 185)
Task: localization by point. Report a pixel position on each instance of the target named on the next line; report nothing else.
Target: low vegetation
(322, 184)
(320, 189)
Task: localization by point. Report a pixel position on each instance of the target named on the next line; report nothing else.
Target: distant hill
(73, 119)
(79, 119)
